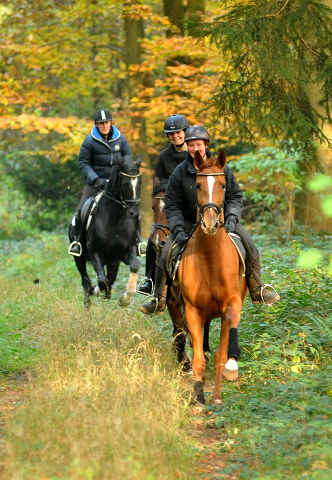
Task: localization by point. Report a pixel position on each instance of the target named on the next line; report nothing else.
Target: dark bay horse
(161, 232)
(111, 235)
(210, 279)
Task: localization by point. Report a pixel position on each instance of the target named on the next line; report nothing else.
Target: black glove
(181, 238)
(99, 183)
(229, 225)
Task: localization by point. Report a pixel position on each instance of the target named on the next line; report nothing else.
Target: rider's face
(176, 138)
(196, 145)
(104, 127)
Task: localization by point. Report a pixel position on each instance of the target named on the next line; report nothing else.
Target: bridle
(125, 202)
(216, 208)
(161, 226)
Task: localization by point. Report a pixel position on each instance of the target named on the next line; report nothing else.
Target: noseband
(125, 201)
(216, 208)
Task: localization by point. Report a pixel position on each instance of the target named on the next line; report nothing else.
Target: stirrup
(152, 297)
(73, 253)
(140, 284)
(139, 249)
(262, 288)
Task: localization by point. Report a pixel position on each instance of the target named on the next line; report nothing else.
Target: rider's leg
(256, 288)
(75, 247)
(158, 303)
(150, 261)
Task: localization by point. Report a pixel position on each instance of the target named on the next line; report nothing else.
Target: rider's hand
(181, 238)
(99, 183)
(229, 225)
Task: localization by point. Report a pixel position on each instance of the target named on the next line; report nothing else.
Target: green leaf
(309, 259)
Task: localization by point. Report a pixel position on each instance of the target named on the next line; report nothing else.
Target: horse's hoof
(231, 371)
(125, 299)
(217, 401)
(199, 392)
(186, 361)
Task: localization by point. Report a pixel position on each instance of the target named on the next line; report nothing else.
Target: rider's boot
(150, 261)
(158, 303)
(257, 290)
(75, 247)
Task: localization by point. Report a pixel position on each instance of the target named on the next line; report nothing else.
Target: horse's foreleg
(195, 329)
(132, 282)
(86, 282)
(225, 359)
(98, 266)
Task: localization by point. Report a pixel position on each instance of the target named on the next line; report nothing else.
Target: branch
(276, 14)
(306, 44)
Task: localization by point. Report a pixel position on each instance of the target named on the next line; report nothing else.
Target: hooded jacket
(167, 161)
(181, 196)
(98, 155)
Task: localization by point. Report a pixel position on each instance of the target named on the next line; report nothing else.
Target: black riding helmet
(175, 123)
(197, 132)
(103, 115)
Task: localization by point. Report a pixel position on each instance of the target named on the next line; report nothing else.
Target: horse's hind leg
(125, 299)
(179, 334)
(86, 282)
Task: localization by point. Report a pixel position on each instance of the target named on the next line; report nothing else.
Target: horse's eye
(224, 186)
(198, 186)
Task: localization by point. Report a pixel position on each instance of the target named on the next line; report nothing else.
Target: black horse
(112, 231)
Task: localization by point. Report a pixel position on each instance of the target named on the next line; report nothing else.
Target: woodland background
(257, 74)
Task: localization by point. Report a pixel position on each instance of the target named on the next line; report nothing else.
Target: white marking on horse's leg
(210, 181)
(96, 290)
(134, 185)
(231, 364)
(131, 285)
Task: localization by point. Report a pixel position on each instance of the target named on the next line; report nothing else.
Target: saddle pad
(240, 250)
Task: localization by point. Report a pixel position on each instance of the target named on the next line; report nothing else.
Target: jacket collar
(96, 134)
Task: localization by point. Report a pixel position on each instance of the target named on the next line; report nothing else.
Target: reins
(216, 208)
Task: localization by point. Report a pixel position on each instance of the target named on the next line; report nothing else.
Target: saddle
(174, 254)
(89, 207)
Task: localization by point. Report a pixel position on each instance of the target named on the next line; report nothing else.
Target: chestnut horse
(160, 234)
(210, 279)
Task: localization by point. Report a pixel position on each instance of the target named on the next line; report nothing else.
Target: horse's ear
(221, 160)
(198, 160)
(139, 160)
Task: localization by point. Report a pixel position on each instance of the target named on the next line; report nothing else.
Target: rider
(181, 212)
(99, 152)
(175, 127)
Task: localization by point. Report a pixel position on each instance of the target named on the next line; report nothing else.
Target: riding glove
(99, 183)
(181, 238)
(229, 225)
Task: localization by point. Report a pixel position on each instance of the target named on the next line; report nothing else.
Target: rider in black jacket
(176, 152)
(181, 211)
(99, 152)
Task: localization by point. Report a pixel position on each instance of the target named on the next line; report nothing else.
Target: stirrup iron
(73, 253)
(262, 288)
(141, 283)
(139, 249)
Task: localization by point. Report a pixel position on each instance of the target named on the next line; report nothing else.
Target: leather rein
(216, 208)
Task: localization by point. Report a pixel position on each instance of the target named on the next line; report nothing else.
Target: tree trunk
(195, 10)
(134, 32)
(174, 10)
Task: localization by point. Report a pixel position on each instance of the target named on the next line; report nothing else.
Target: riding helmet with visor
(175, 123)
(197, 132)
(103, 115)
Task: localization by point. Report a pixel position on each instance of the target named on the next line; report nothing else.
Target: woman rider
(181, 212)
(175, 127)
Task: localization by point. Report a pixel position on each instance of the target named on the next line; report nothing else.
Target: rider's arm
(174, 202)
(233, 197)
(85, 161)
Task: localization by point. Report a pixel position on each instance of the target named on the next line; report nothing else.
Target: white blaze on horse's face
(211, 181)
(161, 206)
(134, 182)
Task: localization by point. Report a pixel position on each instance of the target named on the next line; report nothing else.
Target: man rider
(99, 152)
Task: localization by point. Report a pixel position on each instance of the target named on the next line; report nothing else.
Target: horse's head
(160, 221)
(211, 187)
(126, 185)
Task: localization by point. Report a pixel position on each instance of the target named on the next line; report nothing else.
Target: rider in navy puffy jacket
(99, 152)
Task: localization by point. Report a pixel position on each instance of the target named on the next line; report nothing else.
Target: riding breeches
(88, 192)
